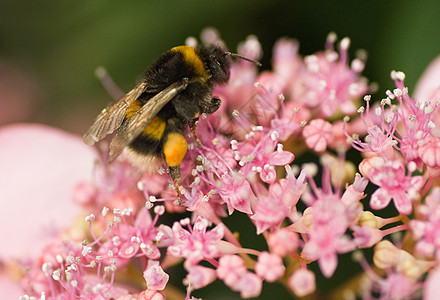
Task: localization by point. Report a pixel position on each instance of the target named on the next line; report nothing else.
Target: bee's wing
(112, 117)
(134, 126)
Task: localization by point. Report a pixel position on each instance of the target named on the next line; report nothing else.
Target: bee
(151, 119)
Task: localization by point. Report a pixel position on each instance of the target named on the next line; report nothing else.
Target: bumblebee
(151, 119)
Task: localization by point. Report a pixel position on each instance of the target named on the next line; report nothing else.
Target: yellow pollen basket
(175, 149)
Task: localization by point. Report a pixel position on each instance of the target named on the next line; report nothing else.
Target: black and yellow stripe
(192, 58)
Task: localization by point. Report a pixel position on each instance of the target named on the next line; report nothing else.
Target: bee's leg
(193, 126)
(175, 176)
(208, 108)
(174, 151)
(215, 104)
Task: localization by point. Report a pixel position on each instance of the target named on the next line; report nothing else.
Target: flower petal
(402, 202)
(39, 167)
(428, 85)
(328, 263)
(10, 289)
(380, 199)
(431, 291)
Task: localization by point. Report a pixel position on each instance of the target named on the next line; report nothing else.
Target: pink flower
(398, 286)
(426, 229)
(220, 157)
(10, 288)
(238, 165)
(431, 290)
(302, 282)
(380, 128)
(270, 210)
(35, 184)
(355, 192)
(288, 121)
(196, 243)
(417, 119)
(260, 157)
(149, 236)
(151, 295)
(242, 78)
(429, 154)
(324, 244)
(272, 84)
(269, 266)
(330, 84)
(153, 183)
(36, 282)
(394, 185)
(339, 141)
(199, 276)
(327, 234)
(318, 134)
(155, 277)
(68, 268)
(85, 193)
(408, 126)
(250, 48)
(366, 236)
(288, 64)
(283, 242)
(230, 269)
(249, 285)
(145, 295)
(129, 297)
(125, 241)
(117, 187)
(427, 86)
(291, 188)
(236, 192)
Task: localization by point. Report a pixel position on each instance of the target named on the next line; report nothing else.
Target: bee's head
(216, 61)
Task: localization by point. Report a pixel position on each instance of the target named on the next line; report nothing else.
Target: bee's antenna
(245, 58)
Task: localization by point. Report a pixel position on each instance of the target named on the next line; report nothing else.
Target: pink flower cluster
(307, 214)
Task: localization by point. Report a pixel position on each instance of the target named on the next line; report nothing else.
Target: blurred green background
(49, 50)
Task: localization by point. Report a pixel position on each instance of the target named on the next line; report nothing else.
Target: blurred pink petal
(199, 276)
(269, 266)
(431, 291)
(302, 282)
(39, 166)
(429, 83)
(9, 288)
(151, 295)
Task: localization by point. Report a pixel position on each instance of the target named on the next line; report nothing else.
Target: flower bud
(385, 255)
